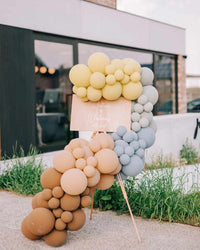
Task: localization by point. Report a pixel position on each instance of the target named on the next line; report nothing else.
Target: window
(53, 92)
(165, 84)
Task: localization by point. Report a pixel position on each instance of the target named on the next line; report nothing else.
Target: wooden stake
(129, 208)
(92, 205)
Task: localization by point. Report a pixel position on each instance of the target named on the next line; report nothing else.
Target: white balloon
(142, 99)
(153, 125)
(144, 122)
(138, 108)
(148, 107)
(135, 117)
(147, 76)
(151, 93)
(148, 115)
(136, 126)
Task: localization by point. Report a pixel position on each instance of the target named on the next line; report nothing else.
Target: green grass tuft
(153, 197)
(189, 153)
(24, 176)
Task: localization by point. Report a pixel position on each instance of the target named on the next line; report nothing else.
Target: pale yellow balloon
(119, 75)
(132, 91)
(125, 80)
(93, 94)
(97, 80)
(74, 89)
(110, 69)
(112, 92)
(81, 92)
(129, 69)
(84, 99)
(135, 64)
(118, 64)
(135, 77)
(110, 79)
(79, 75)
(98, 61)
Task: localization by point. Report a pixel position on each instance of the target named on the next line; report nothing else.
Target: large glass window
(165, 84)
(53, 92)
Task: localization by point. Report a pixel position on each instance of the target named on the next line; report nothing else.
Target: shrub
(23, 176)
(154, 196)
(189, 153)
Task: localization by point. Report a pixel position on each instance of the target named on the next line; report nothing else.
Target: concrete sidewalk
(106, 231)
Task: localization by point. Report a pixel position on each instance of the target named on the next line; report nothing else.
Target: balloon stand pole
(128, 205)
(92, 205)
(0, 142)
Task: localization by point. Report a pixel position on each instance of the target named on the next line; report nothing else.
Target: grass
(23, 177)
(161, 162)
(154, 196)
(189, 153)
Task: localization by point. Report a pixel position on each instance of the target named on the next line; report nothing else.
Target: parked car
(193, 106)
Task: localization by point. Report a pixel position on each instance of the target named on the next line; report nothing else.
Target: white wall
(172, 132)
(76, 18)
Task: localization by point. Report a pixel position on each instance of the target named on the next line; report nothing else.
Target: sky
(182, 13)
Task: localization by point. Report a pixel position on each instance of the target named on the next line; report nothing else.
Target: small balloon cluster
(107, 79)
(130, 146)
(80, 167)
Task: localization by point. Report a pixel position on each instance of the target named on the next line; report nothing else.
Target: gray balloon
(142, 144)
(151, 93)
(130, 136)
(115, 136)
(119, 150)
(121, 130)
(121, 143)
(147, 76)
(124, 159)
(140, 152)
(129, 151)
(123, 176)
(135, 145)
(148, 135)
(134, 167)
(132, 106)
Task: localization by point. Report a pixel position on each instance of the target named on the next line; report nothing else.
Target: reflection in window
(165, 84)
(53, 92)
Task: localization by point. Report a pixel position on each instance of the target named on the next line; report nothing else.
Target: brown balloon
(60, 224)
(78, 221)
(86, 192)
(46, 194)
(57, 212)
(54, 203)
(69, 202)
(35, 201)
(57, 192)
(26, 232)
(86, 201)
(66, 216)
(56, 238)
(40, 221)
(106, 181)
(92, 181)
(50, 178)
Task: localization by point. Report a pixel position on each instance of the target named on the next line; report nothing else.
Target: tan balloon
(40, 221)
(78, 221)
(87, 151)
(57, 212)
(117, 170)
(94, 145)
(54, 203)
(26, 231)
(112, 92)
(92, 181)
(106, 181)
(105, 140)
(78, 153)
(77, 143)
(56, 238)
(63, 161)
(57, 192)
(98, 61)
(80, 163)
(86, 192)
(86, 201)
(50, 178)
(132, 91)
(79, 75)
(107, 161)
(73, 181)
(92, 161)
(66, 216)
(60, 224)
(89, 171)
(69, 202)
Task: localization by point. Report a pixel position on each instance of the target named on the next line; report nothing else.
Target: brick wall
(109, 3)
(182, 99)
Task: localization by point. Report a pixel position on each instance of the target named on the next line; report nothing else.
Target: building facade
(41, 40)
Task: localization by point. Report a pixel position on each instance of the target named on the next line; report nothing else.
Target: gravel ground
(106, 231)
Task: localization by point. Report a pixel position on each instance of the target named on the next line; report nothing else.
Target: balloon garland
(85, 165)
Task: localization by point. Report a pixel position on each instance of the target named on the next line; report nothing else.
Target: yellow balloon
(79, 75)
(135, 77)
(132, 91)
(97, 80)
(74, 89)
(129, 69)
(110, 69)
(118, 64)
(119, 74)
(110, 79)
(93, 94)
(81, 92)
(125, 80)
(84, 99)
(112, 92)
(135, 64)
(98, 61)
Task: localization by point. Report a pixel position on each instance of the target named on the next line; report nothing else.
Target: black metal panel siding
(17, 88)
